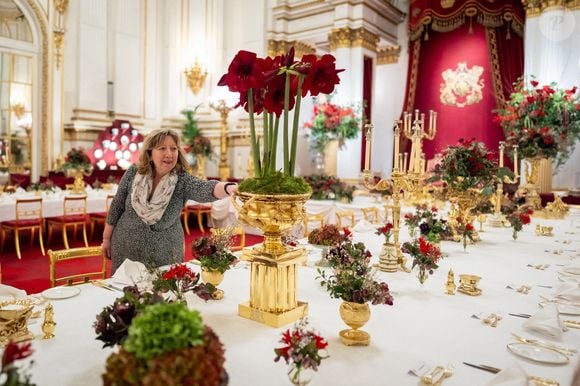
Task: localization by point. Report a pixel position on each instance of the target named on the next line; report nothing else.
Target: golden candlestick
(223, 109)
(497, 220)
(398, 182)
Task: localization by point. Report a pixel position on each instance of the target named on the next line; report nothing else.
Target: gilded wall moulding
(347, 37)
(277, 47)
(536, 7)
(388, 55)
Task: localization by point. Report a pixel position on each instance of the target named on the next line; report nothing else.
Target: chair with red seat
(74, 214)
(100, 217)
(199, 210)
(28, 217)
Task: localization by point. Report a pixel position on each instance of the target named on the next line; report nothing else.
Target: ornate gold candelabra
(497, 220)
(414, 130)
(195, 77)
(222, 107)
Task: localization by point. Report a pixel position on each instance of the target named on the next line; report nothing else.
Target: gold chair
(100, 217)
(199, 210)
(312, 218)
(371, 214)
(75, 214)
(28, 217)
(61, 256)
(344, 214)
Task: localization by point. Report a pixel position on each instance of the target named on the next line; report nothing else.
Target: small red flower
(469, 227)
(15, 351)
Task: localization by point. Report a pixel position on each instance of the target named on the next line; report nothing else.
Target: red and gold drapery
(457, 37)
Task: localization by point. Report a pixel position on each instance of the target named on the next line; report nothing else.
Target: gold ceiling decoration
(388, 55)
(536, 7)
(277, 47)
(347, 37)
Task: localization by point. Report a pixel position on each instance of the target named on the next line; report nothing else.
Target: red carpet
(32, 272)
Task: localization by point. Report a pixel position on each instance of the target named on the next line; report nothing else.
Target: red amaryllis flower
(534, 83)
(258, 95)
(469, 227)
(320, 342)
(178, 272)
(244, 72)
(274, 98)
(15, 351)
(322, 75)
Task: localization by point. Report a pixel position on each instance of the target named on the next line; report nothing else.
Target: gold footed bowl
(355, 315)
(214, 278)
(273, 265)
(14, 317)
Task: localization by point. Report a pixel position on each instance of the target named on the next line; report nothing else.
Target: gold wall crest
(462, 86)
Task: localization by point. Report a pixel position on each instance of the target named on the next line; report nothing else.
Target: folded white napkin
(513, 375)
(131, 272)
(573, 267)
(11, 293)
(546, 322)
(568, 291)
(363, 226)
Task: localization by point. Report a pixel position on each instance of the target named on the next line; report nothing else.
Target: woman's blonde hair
(152, 140)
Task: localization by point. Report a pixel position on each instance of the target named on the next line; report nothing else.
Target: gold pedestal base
(273, 319)
(355, 337)
(273, 284)
(388, 260)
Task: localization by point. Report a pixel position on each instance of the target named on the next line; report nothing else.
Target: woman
(143, 223)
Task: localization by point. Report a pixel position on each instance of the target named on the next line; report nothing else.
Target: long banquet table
(424, 325)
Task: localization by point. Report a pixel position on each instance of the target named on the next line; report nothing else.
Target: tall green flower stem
(267, 165)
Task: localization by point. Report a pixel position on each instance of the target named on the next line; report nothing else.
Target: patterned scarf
(151, 211)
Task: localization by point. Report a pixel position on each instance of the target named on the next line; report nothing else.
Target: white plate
(61, 292)
(537, 353)
(563, 308)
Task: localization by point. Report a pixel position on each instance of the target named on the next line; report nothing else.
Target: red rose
(534, 83)
(469, 227)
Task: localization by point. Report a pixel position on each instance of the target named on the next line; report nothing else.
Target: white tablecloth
(52, 203)
(423, 325)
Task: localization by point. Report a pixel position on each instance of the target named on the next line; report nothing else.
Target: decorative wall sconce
(195, 77)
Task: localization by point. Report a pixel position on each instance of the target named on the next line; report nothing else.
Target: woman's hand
(106, 248)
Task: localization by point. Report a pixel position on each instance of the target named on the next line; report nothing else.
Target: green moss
(277, 183)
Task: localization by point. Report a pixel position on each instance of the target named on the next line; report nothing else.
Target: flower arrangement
(112, 324)
(353, 279)
(425, 256)
(332, 122)
(542, 121)
(302, 348)
(465, 231)
(195, 142)
(47, 186)
(274, 87)
(468, 165)
(180, 279)
(328, 235)
(77, 159)
(430, 226)
(386, 230)
(213, 252)
(329, 188)
(518, 218)
(167, 344)
(11, 375)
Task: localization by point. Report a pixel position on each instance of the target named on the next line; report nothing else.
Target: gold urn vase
(273, 265)
(79, 183)
(213, 277)
(355, 315)
(465, 201)
(532, 178)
